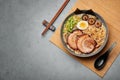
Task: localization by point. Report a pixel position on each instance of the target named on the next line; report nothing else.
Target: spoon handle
(110, 49)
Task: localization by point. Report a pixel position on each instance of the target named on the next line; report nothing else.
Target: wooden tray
(109, 10)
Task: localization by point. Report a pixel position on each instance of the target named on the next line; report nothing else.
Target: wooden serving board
(109, 10)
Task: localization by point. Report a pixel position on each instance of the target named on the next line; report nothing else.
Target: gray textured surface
(26, 55)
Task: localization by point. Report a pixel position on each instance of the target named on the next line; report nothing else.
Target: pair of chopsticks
(55, 17)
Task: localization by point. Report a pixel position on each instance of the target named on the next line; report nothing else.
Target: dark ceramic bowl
(77, 12)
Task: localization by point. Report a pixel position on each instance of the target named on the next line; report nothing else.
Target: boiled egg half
(82, 25)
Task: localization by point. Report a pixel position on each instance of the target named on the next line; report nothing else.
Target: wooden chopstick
(55, 17)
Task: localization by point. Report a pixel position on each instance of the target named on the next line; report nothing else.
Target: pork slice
(86, 44)
(72, 39)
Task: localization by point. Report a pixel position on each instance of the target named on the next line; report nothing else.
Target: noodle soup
(83, 33)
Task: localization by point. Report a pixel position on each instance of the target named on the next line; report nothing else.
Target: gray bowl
(94, 52)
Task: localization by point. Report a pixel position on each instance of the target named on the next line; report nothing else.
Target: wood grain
(109, 10)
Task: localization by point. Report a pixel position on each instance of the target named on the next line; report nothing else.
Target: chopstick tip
(42, 33)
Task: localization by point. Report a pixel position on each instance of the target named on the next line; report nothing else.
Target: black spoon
(100, 61)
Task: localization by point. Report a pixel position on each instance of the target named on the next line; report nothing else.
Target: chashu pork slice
(86, 44)
(72, 39)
